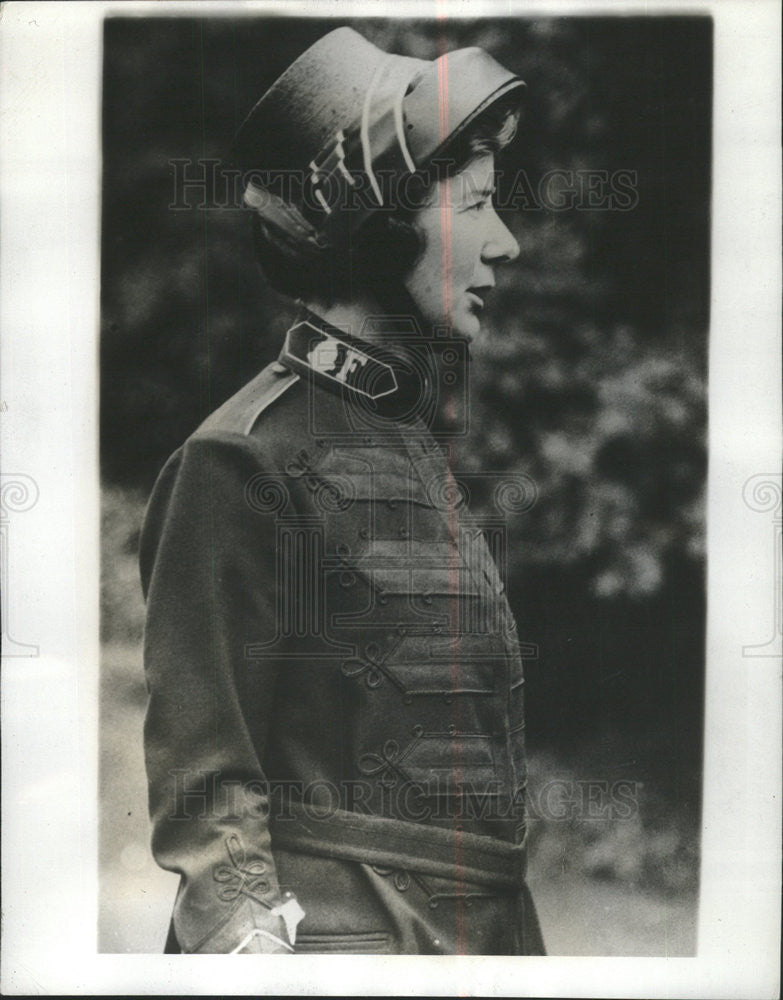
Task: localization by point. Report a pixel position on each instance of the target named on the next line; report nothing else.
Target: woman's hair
(380, 253)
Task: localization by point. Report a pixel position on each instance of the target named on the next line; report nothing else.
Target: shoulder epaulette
(240, 413)
(284, 379)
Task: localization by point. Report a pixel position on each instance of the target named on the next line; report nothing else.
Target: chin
(465, 326)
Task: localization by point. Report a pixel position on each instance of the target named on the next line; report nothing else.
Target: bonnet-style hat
(335, 136)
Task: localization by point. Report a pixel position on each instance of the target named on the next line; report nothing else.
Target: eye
(478, 206)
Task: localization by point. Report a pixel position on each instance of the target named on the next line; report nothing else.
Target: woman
(334, 736)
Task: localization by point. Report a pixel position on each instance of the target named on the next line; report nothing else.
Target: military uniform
(335, 680)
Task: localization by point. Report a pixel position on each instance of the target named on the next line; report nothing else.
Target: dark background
(592, 382)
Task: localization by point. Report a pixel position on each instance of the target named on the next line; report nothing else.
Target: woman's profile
(335, 730)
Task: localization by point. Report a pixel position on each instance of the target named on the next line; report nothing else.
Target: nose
(500, 246)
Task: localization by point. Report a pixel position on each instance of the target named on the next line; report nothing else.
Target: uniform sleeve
(208, 574)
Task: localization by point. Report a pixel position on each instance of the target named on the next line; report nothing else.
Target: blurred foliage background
(591, 381)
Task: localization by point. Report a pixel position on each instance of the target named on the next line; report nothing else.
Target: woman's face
(464, 241)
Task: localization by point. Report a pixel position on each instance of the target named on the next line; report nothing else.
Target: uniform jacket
(335, 682)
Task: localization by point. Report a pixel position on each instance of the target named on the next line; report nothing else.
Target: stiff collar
(393, 377)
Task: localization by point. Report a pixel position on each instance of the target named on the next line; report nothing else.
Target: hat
(345, 117)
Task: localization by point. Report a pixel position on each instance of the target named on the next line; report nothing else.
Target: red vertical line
(454, 555)
(454, 568)
(457, 582)
(204, 214)
(205, 301)
(445, 193)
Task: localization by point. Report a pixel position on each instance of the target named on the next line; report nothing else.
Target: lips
(479, 292)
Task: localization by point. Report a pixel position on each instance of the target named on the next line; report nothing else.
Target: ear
(386, 248)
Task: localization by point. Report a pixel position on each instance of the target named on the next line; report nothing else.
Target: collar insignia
(339, 358)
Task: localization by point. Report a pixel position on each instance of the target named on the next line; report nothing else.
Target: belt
(393, 843)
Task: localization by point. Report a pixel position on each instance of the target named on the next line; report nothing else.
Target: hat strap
(374, 129)
(364, 132)
(284, 217)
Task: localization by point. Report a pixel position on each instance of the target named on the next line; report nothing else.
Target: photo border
(50, 188)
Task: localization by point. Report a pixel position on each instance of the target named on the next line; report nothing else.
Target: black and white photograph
(411, 388)
(403, 412)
